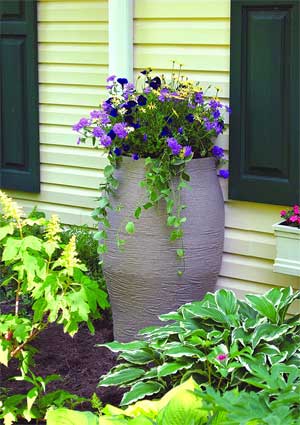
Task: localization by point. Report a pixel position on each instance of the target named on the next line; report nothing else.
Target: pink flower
(283, 213)
(294, 219)
(296, 209)
(221, 357)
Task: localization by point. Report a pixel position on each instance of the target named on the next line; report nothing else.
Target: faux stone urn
(142, 281)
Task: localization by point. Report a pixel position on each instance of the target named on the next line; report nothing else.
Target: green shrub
(216, 340)
(48, 272)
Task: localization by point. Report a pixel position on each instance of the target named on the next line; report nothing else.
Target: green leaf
(137, 357)
(171, 220)
(263, 306)
(268, 332)
(182, 350)
(180, 253)
(137, 212)
(124, 346)
(4, 355)
(140, 390)
(11, 249)
(226, 301)
(63, 416)
(108, 171)
(130, 228)
(147, 205)
(172, 368)
(31, 242)
(6, 230)
(31, 397)
(103, 202)
(121, 377)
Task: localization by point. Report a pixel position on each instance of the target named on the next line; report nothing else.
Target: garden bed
(76, 359)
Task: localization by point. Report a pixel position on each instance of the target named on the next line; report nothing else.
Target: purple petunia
(190, 118)
(120, 130)
(83, 122)
(163, 95)
(147, 90)
(98, 132)
(145, 137)
(187, 151)
(142, 100)
(174, 145)
(228, 109)
(180, 130)
(122, 81)
(216, 114)
(113, 112)
(125, 147)
(95, 114)
(199, 97)
(118, 151)
(111, 134)
(105, 141)
(110, 78)
(135, 156)
(224, 174)
(217, 151)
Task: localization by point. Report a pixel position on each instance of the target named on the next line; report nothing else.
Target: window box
(288, 249)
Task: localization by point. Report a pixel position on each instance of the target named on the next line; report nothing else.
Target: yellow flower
(10, 208)
(53, 228)
(151, 106)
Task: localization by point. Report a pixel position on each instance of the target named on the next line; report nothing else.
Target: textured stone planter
(142, 281)
(288, 249)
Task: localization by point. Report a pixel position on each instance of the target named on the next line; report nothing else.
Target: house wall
(196, 33)
(73, 64)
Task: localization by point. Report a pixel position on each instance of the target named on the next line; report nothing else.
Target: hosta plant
(214, 340)
(276, 403)
(50, 274)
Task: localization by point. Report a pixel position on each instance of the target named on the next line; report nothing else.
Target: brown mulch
(76, 359)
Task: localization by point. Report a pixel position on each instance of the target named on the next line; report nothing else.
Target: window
(264, 91)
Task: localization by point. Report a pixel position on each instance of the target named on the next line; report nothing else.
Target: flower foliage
(292, 216)
(166, 124)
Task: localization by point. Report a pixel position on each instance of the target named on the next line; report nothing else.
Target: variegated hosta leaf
(124, 346)
(139, 391)
(171, 368)
(121, 377)
(263, 306)
(267, 332)
(181, 350)
(139, 357)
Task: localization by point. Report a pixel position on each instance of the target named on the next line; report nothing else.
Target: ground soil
(76, 359)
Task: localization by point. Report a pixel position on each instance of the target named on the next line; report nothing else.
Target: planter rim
(288, 229)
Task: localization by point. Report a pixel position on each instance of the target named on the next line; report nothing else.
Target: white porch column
(121, 38)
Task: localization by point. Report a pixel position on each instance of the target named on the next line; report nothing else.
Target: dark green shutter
(19, 137)
(264, 96)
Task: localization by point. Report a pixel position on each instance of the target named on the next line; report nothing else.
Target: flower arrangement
(166, 124)
(291, 216)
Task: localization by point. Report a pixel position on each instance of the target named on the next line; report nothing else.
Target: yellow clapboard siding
(253, 244)
(59, 135)
(256, 270)
(79, 32)
(67, 214)
(83, 75)
(84, 10)
(83, 158)
(62, 115)
(87, 54)
(61, 195)
(70, 95)
(206, 32)
(251, 216)
(201, 58)
(182, 9)
(71, 176)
